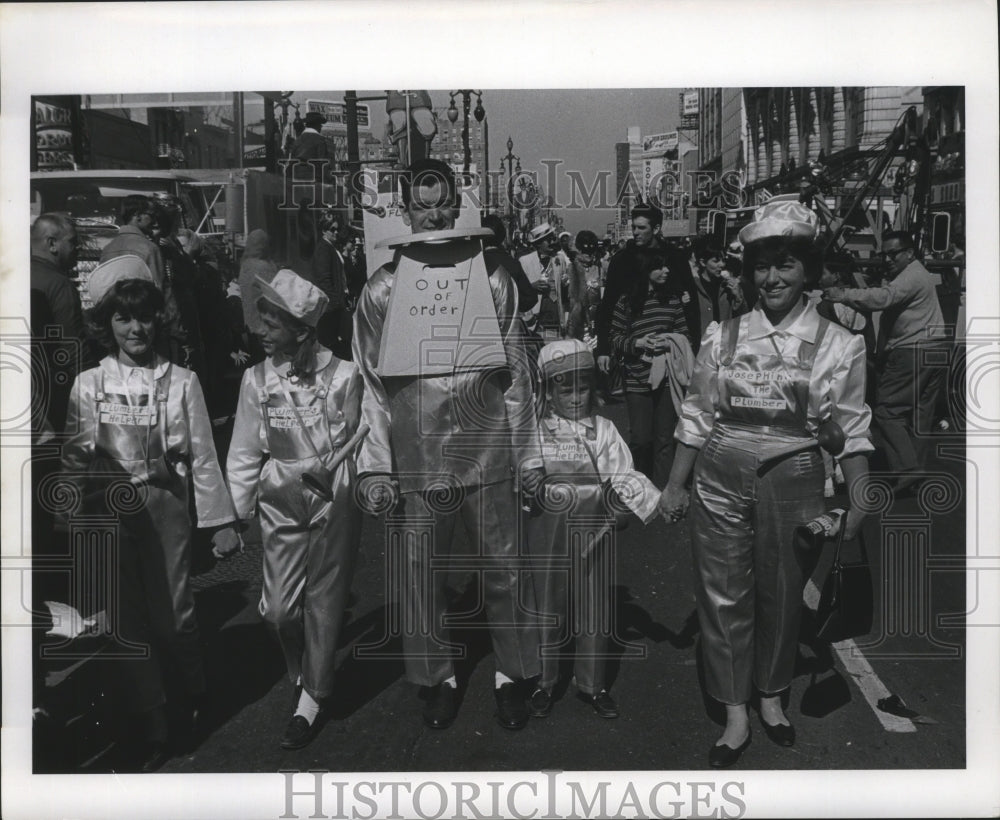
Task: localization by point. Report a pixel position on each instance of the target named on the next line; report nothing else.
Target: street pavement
(666, 721)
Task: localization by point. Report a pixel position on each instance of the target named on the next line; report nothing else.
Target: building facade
(762, 134)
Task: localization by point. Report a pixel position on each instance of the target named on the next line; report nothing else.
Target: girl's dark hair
(648, 261)
(304, 360)
(129, 297)
(778, 248)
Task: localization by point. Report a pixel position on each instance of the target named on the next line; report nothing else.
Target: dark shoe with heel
(441, 707)
(722, 756)
(780, 733)
(512, 711)
(300, 732)
(602, 703)
(540, 704)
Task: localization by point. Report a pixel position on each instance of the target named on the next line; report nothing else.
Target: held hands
(604, 364)
(673, 504)
(226, 541)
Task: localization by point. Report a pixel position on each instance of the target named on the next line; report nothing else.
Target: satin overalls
(750, 595)
(161, 441)
(309, 544)
(573, 534)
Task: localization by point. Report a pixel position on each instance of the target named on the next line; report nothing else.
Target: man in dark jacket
(330, 276)
(55, 304)
(310, 144)
(623, 271)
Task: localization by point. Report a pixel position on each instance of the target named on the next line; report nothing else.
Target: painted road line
(861, 672)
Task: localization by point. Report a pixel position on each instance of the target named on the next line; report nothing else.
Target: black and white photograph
(615, 438)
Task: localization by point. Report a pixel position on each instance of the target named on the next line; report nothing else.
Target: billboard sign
(656, 145)
(336, 114)
(690, 104)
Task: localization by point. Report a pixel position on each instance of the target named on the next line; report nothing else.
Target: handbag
(846, 603)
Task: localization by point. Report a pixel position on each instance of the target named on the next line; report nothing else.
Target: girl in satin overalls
(762, 381)
(142, 441)
(571, 530)
(296, 409)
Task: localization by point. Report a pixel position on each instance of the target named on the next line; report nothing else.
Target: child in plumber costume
(296, 410)
(584, 457)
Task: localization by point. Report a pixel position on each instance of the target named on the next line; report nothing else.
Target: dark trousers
(652, 419)
(334, 331)
(906, 395)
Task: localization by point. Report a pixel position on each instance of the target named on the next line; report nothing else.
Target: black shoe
(540, 704)
(604, 705)
(780, 733)
(300, 732)
(154, 755)
(512, 711)
(441, 707)
(722, 756)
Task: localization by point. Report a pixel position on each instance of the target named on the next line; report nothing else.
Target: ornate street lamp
(511, 170)
(479, 114)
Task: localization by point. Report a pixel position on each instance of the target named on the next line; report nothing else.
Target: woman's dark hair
(778, 248)
(130, 297)
(648, 261)
(705, 252)
(134, 205)
(304, 361)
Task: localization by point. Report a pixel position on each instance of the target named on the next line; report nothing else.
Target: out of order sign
(441, 317)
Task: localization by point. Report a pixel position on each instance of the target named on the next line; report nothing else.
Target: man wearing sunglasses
(138, 221)
(907, 389)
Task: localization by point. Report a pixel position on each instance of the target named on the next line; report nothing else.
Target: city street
(666, 723)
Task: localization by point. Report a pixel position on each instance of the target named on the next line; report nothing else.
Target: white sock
(450, 682)
(307, 708)
(500, 679)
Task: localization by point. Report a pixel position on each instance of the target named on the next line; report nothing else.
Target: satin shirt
(595, 441)
(836, 385)
(188, 429)
(250, 446)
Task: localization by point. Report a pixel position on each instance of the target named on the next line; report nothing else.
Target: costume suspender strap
(162, 395)
(590, 452)
(258, 375)
(730, 335)
(808, 350)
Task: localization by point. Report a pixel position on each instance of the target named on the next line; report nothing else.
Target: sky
(579, 127)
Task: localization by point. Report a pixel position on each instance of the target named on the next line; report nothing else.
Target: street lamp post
(479, 114)
(510, 159)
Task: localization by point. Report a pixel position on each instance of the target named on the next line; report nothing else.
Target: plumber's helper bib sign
(441, 318)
